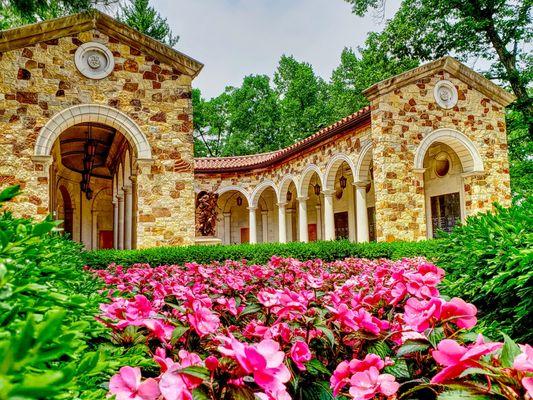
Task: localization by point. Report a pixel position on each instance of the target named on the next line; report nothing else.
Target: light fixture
(343, 181)
(289, 196)
(239, 201)
(317, 189)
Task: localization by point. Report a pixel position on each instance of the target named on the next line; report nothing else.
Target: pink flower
(422, 314)
(528, 385)
(203, 320)
(366, 384)
(159, 328)
(300, 354)
(176, 384)
(268, 297)
(456, 358)
(524, 361)
(342, 374)
(264, 361)
(462, 313)
(127, 385)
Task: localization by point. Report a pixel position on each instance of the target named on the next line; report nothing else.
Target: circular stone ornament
(94, 60)
(445, 94)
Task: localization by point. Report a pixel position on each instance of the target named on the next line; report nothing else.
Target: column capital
(419, 170)
(252, 208)
(328, 192)
(361, 184)
(119, 197)
(282, 205)
(126, 188)
(318, 206)
(302, 198)
(264, 212)
(226, 214)
(289, 210)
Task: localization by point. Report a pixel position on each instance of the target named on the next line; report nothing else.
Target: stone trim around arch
(284, 185)
(231, 188)
(305, 178)
(464, 148)
(362, 168)
(333, 166)
(91, 113)
(256, 194)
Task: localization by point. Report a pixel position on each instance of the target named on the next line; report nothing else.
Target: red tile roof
(253, 161)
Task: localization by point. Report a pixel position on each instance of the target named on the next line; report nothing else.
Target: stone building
(96, 126)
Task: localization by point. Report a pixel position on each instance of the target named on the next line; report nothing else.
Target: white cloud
(234, 38)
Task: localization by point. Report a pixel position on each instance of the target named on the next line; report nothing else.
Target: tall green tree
(139, 15)
(304, 99)
(18, 12)
(498, 31)
(360, 70)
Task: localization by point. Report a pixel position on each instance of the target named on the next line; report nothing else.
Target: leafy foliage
(139, 15)
(261, 253)
(489, 262)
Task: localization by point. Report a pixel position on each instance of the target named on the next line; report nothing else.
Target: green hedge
(261, 253)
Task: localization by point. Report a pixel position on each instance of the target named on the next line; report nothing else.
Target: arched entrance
(444, 157)
(92, 152)
(263, 207)
(233, 204)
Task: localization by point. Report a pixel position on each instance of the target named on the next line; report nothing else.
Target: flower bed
(354, 329)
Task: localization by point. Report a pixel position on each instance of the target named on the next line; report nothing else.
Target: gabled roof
(26, 35)
(263, 160)
(448, 64)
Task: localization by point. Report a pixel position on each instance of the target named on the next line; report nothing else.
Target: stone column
(120, 200)
(128, 216)
(288, 222)
(252, 225)
(302, 219)
(264, 225)
(115, 222)
(318, 222)
(351, 213)
(282, 223)
(362, 212)
(227, 228)
(329, 221)
(94, 230)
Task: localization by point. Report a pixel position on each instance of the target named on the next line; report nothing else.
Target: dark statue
(206, 212)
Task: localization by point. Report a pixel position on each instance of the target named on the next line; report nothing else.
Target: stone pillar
(329, 221)
(227, 228)
(115, 222)
(318, 222)
(351, 213)
(264, 225)
(252, 225)
(302, 219)
(288, 221)
(128, 216)
(282, 223)
(362, 212)
(120, 199)
(94, 230)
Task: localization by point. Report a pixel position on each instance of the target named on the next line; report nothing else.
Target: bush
(261, 253)
(489, 262)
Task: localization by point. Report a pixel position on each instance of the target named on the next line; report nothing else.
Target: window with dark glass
(445, 212)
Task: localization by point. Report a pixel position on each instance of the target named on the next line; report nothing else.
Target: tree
(19, 12)
(304, 99)
(356, 73)
(140, 16)
(497, 31)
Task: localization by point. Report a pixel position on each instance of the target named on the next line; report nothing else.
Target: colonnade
(123, 210)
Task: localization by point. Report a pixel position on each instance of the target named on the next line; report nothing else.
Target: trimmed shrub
(489, 263)
(261, 253)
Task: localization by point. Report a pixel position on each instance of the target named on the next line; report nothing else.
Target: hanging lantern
(343, 181)
(317, 189)
(90, 148)
(88, 163)
(289, 196)
(239, 201)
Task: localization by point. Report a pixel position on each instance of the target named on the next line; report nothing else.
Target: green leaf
(178, 332)
(476, 371)
(317, 391)
(412, 346)
(199, 394)
(435, 336)
(380, 348)
(315, 367)
(328, 333)
(43, 228)
(51, 325)
(399, 370)
(196, 371)
(250, 309)
(462, 395)
(9, 193)
(509, 351)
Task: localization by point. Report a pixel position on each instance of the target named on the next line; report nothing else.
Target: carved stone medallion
(94, 60)
(445, 94)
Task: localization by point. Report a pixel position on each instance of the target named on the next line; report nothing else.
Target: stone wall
(401, 119)
(38, 81)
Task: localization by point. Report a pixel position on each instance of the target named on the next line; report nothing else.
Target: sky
(235, 38)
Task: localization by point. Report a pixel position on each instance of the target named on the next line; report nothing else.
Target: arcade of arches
(96, 127)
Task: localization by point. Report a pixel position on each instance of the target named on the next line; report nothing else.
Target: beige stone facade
(96, 126)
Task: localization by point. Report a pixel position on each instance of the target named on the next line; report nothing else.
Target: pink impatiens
(280, 331)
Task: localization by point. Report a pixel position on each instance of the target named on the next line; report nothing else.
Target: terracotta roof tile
(240, 163)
